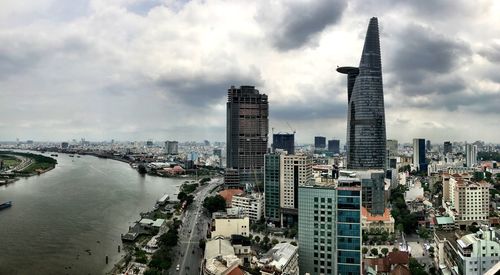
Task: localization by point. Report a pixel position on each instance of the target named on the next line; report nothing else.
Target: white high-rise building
(471, 155)
(251, 205)
(295, 170)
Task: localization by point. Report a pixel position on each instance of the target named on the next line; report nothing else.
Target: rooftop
(279, 255)
(374, 218)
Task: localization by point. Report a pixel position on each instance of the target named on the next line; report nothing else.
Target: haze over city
(136, 70)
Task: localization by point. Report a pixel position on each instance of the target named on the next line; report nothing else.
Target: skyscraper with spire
(366, 138)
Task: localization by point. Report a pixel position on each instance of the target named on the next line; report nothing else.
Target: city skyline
(140, 70)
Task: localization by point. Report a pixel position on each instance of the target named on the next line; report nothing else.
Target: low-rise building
(219, 258)
(370, 222)
(283, 259)
(467, 254)
(252, 205)
(225, 224)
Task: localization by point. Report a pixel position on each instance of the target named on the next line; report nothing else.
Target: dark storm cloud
(420, 52)
(206, 89)
(20, 53)
(304, 20)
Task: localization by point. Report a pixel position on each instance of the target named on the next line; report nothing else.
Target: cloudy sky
(160, 69)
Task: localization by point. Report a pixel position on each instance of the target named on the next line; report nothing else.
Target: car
(178, 267)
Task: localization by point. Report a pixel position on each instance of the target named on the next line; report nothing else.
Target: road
(194, 226)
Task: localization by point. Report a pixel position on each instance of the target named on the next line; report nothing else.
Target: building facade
(272, 187)
(285, 142)
(392, 147)
(319, 142)
(295, 170)
(330, 227)
(373, 190)
(171, 147)
(247, 132)
(252, 205)
(447, 148)
(225, 225)
(334, 146)
(419, 154)
(469, 254)
(471, 155)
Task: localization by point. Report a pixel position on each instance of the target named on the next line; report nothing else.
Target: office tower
(149, 143)
(392, 147)
(206, 143)
(247, 129)
(471, 155)
(373, 198)
(319, 142)
(447, 148)
(428, 146)
(272, 187)
(366, 139)
(330, 227)
(171, 147)
(334, 146)
(295, 170)
(285, 142)
(64, 145)
(419, 154)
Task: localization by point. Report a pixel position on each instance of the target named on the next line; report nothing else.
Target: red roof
(229, 193)
(236, 271)
(398, 257)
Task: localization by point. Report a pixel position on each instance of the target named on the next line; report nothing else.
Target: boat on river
(5, 205)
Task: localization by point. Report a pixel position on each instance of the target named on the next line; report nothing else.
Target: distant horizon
(342, 142)
(146, 69)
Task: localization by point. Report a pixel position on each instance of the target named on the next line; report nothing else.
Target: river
(83, 203)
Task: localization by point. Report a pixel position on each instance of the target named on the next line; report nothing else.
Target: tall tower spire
(366, 138)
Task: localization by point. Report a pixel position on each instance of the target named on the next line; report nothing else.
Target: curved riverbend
(84, 203)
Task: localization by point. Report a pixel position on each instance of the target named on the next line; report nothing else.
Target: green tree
(384, 251)
(266, 239)
(202, 243)
(364, 250)
(416, 268)
(257, 239)
(214, 203)
(374, 251)
(275, 241)
(293, 243)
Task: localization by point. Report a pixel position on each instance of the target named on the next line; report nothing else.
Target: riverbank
(28, 164)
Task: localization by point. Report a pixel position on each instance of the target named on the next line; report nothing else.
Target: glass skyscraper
(272, 187)
(330, 227)
(366, 137)
(285, 142)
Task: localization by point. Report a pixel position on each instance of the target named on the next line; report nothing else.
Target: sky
(160, 69)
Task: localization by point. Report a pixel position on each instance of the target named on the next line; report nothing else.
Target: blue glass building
(330, 227)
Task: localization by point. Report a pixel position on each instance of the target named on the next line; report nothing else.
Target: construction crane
(293, 130)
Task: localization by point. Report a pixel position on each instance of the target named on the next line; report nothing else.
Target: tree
(374, 251)
(202, 243)
(384, 251)
(214, 203)
(364, 250)
(395, 249)
(275, 241)
(257, 239)
(416, 268)
(266, 239)
(181, 196)
(293, 243)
